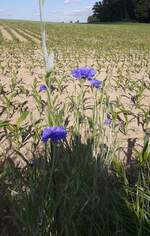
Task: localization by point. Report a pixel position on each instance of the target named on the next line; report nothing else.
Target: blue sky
(55, 10)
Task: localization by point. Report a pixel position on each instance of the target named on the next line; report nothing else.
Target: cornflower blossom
(96, 83)
(54, 133)
(84, 73)
(42, 88)
(108, 121)
(32, 163)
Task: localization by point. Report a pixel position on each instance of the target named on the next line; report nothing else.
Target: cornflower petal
(96, 83)
(107, 121)
(42, 88)
(54, 133)
(83, 73)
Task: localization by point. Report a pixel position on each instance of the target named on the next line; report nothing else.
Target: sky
(55, 10)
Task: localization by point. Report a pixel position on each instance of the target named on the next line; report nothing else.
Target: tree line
(120, 10)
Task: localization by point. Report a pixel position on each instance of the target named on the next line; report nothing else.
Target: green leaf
(22, 117)
(118, 167)
(145, 154)
(4, 124)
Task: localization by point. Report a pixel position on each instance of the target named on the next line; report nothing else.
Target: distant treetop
(120, 10)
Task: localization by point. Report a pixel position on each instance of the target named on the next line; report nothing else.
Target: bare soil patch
(5, 34)
(18, 36)
(31, 69)
(36, 40)
(35, 35)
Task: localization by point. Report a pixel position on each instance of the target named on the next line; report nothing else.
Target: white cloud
(89, 7)
(68, 15)
(70, 1)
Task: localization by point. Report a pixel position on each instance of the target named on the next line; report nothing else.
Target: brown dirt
(5, 34)
(18, 36)
(36, 40)
(33, 34)
(27, 76)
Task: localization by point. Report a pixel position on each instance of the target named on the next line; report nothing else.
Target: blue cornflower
(32, 163)
(54, 133)
(107, 121)
(96, 83)
(42, 88)
(83, 73)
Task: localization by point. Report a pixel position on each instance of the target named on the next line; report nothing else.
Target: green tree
(120, 10)
(92, 19)
(142, 10)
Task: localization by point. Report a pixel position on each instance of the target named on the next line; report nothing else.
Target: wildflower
(96, 83)
(77, 138)
(42, 88)
(108, 121)
(32, 163)
(84, 73)
(54, 133)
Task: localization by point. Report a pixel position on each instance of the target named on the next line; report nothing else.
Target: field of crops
(107, 149)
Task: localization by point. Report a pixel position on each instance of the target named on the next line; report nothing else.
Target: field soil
(121, 66)
(5, 34)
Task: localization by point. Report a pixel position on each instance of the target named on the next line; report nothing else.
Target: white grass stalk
(48, 58)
